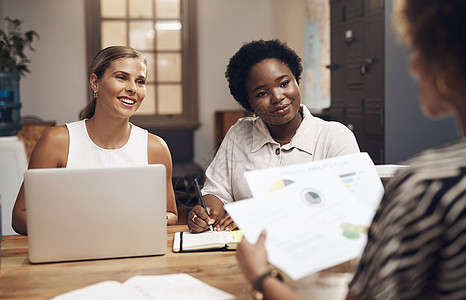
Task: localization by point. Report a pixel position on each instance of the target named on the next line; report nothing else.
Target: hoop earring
(95, 94)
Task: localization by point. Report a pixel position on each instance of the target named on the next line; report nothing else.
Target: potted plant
(13, 64)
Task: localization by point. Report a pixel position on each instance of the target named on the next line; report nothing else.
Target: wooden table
(20, 279)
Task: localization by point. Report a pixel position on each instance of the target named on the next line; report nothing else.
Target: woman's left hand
(252, 258)
(225, 223)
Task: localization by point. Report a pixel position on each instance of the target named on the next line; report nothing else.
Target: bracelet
(258, 293)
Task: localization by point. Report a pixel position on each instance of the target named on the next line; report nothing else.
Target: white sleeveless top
(83, 153)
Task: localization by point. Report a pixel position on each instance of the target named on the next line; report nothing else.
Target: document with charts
(313, 224)
(356, 171)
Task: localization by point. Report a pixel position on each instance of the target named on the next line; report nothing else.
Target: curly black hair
(437, 29)
(252, 53)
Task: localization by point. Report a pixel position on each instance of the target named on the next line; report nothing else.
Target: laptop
(81, 214)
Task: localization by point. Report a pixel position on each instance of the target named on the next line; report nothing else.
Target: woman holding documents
(416, 243)
(105, 137)
(263, 77)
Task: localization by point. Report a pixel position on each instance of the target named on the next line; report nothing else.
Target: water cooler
(13, 159)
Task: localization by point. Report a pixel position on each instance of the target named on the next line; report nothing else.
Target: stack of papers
(316, 215)
(388, 171)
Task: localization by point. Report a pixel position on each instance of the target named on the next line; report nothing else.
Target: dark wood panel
(357, 83)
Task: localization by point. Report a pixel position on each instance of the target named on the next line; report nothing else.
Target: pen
(202, 199)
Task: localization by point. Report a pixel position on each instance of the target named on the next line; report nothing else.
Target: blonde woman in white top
(105, 138)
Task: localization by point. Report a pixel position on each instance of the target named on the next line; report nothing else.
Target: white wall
(223, 26)
(288, 22)
(56, 88)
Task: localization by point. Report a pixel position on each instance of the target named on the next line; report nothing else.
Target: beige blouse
(248, 146)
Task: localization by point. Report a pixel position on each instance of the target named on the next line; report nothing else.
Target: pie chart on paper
(279, 184)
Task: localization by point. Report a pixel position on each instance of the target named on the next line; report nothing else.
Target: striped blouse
(416, 245)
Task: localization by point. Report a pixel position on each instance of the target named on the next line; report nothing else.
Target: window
(164, 31)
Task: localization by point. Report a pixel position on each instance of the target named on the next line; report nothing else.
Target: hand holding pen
(201, 199)
(199, 218)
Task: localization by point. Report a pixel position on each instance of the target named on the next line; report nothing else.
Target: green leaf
(13, 43)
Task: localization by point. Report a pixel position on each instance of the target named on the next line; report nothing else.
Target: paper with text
(311, 225)
(172, 286)
(176, 286)
(356, 171)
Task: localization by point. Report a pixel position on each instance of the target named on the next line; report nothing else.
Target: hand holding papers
(315, 222)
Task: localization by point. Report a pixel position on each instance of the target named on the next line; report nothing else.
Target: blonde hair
(100, 64)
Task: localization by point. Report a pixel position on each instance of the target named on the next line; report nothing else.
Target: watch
(257, 291)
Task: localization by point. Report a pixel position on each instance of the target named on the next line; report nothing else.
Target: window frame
(189, 117)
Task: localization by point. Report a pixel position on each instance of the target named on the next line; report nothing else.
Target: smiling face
(273, 92)
(122, 87)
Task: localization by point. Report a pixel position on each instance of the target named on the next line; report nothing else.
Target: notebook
(78, 214)
(207, 240)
